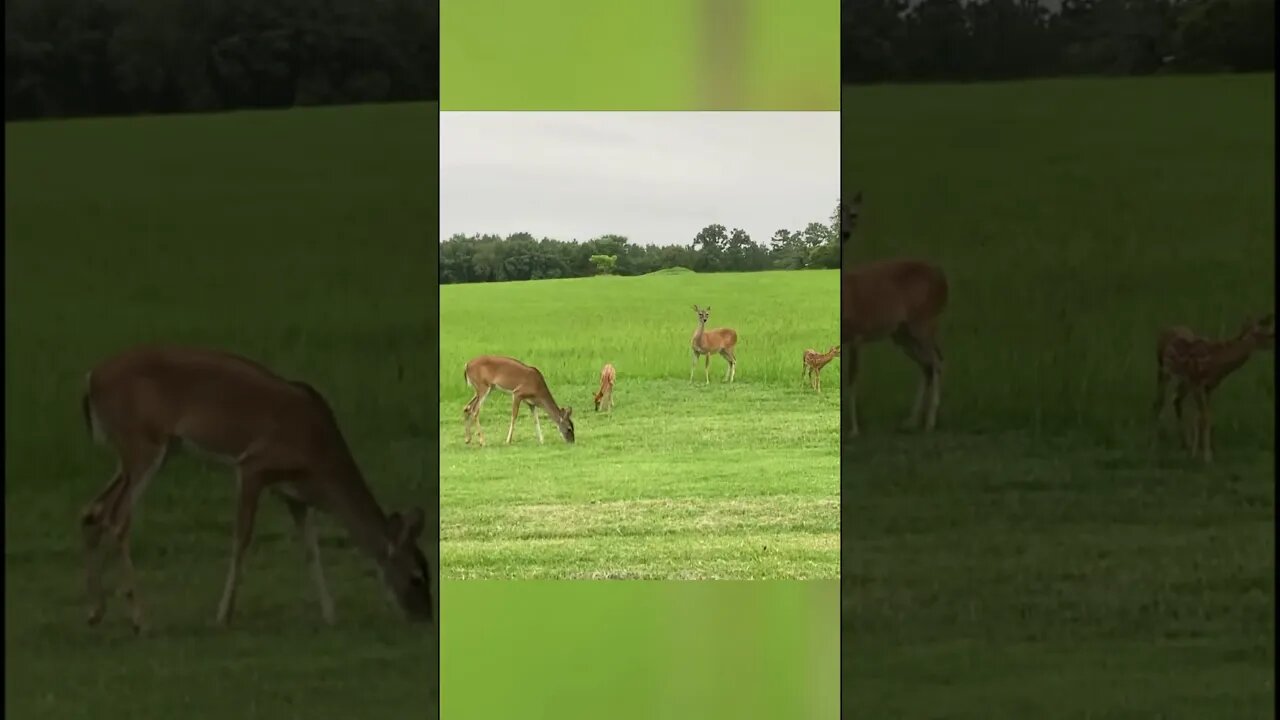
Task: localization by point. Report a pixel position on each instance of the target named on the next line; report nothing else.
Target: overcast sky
(654, 177)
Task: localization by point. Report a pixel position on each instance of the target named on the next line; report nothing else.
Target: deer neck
(353, 505)
(548, 404)
(1230, 355)
(699, 334)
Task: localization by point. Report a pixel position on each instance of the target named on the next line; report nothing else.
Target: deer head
(404, 567)
(849, 212)
(703, 314)
(565, 423)
(1261, 332)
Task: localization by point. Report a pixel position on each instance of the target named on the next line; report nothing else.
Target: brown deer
(900, 299)
(705, 342)
(605, 394)
(814, 361)
(1199, 365)
(525, 384)
(279, 435)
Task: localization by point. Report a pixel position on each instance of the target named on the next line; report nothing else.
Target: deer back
(717, 339)
(878, 297)
(219, 402)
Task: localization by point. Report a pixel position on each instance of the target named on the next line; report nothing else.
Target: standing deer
(1199, 365)
(605, 394)
(279, 435)
(525, 384)
(705, 342)
(900, 299)
(814, 361)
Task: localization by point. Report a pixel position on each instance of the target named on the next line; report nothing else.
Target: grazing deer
(814, 361)
(900, 299)
(526, 385)
(605, 394)
(705, 342)
(279, 435)
(1199, 365)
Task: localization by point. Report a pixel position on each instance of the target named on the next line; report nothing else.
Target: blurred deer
(1198, 365)
(900, 299)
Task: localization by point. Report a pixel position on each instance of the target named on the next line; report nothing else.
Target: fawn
(814, 361)
(1199, 365)
(604, 396)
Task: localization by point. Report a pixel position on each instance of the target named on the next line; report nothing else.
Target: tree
(605, 264)
(94, 57)
(709, 244)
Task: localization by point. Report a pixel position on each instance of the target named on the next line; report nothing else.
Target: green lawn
(299, 238)
(683, 480)
(1041, 555)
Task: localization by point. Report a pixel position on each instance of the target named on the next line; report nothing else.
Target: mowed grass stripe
(648, 518)
(757, 556)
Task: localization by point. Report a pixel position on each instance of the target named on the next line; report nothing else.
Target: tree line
(962, 40)
(715, 248)
(125, 57)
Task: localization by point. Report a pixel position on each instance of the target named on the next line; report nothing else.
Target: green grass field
(684, 480)
(299, 238)
(1039, 556)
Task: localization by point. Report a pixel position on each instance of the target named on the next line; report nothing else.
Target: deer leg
(919, 354)
(150, 459)
(251, 485)
(1162, 389)
(694, 367)
(471, 414)
(706, 369)
(1205, 425)
(301, 515)
(475, 419)
(467, 411)
(537, 423)
(129, 578)
(728, 371)
(935, 388)
(733, 365)
(114, 509)
(515, 413)
(92, 525)
(1183, 431)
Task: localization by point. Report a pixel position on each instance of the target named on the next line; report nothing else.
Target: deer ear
(413, 521)
(395, 526)
(403, 529)
(695, 308)
(708, 308)
(568, 411)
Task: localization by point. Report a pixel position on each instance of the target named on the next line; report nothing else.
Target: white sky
(654, 177)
